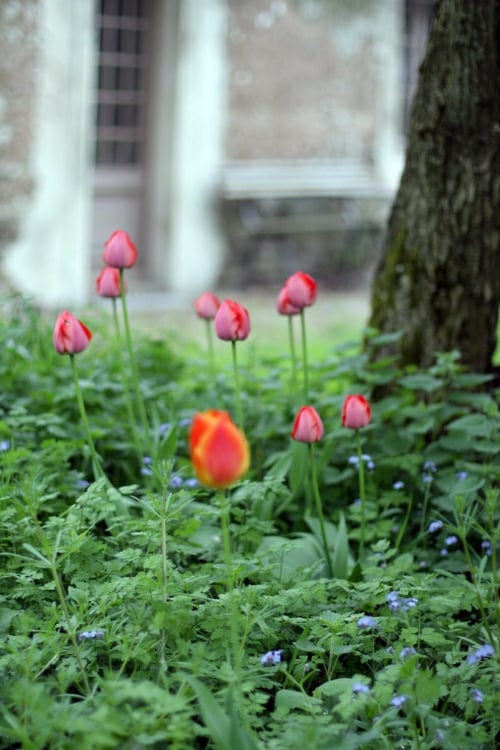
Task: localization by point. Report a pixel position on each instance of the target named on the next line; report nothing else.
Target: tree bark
(438, 281)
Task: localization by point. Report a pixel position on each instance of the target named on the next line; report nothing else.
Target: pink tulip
(307, 427)
(283, 304)
(302, 290)
(108, 282)
(119, 250)
(70, 335)
(206, 305)
(356, 412)
(232, 321)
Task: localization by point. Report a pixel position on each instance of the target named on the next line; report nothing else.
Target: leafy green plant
(126, 605)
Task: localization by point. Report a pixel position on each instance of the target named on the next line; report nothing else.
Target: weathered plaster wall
(18, 53)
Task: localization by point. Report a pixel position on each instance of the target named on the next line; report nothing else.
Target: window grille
(122, 27)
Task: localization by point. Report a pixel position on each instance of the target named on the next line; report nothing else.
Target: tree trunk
(439, 277)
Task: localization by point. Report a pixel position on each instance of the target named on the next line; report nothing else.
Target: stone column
(196, 250)
(389, 137)
(50, 261)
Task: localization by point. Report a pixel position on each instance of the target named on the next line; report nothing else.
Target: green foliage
(116, 623)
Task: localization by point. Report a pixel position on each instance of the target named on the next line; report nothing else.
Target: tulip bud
(108, 282)
(232, 321)
(307, 427)
(70, 335)
(302, 290)
(218, 448)
(206, 305)
(119, 250)
(283, 304)
(356, 412)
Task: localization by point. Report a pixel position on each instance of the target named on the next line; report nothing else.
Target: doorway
(123, 31)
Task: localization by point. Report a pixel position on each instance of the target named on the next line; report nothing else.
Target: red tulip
(283, 304)
(218, 448)
(206, 305)
(119, 250)
(356, 412)
(232, 321)
(307, 427)
(108, 282)
(302, 290)
(70, 335)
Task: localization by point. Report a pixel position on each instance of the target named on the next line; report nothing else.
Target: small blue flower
(4, 445)
(271, 658)
(435, 526)
(366, 458)
(483, 652)
(353, 460)
(411, 602)
(451, 540)
(426, 478)
(461, 475)
(406, 652)
(486, 547)
(146, 471)
(393, 600)
(399, 700)
(191, 482)
(398, 485)
(91, 635)
(81, 484)
(357, 501)
(367, 622)
(476, 695)
(443, 552)
(430, 466)
(175, 482)
(397, 602)
(360, 687)
(370, 465)
(164, 428)
(185, 422)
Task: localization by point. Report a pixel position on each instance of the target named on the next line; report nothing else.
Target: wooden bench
(279, 213)
(350, 182)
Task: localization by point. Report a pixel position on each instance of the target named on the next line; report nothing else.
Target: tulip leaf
(168, 444)
(299, 467)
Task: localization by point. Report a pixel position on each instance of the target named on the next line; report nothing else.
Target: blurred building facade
(233, 139)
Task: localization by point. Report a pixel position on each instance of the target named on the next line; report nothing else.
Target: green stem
(133, 368)
(491, 504)
(319, 510)
(210, 346)
(228, 564)
(404, 525)
(361, 475)
(164, 557)
(126, 392)
(69, 626)
(463, 538)
(304, 355)
(239, 413)
(425, 506)
(293, 353)
(96, 465)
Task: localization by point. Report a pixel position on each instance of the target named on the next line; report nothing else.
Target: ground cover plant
(280, 553)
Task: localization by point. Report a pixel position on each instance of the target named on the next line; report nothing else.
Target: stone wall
(18, 47)
(302, 79)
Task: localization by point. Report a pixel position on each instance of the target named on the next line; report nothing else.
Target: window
(123, 27)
